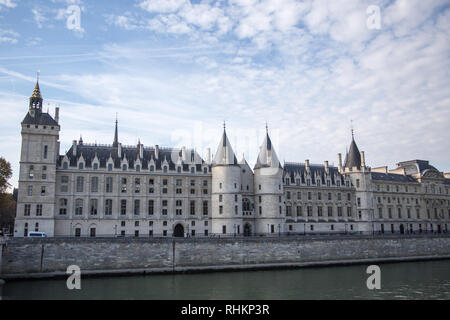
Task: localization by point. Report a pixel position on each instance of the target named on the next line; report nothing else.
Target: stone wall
(50, 257)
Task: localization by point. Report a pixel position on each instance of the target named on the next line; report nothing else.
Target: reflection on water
(408, 280)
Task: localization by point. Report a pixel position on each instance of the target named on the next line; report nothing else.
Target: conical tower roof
(353, 157)
(267, 156)
(225, 154)
(37, 91)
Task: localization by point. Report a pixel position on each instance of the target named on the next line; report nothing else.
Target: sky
(174, 70)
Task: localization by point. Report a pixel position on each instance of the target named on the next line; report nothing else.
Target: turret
(226, 197)
(269, 202)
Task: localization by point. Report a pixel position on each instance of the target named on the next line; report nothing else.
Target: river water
(407, 280)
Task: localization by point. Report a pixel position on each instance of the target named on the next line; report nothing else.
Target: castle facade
(148, 191)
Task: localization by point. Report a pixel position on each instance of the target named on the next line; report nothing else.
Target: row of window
(399, 188)
(125, 167)
(109, 182)
(108, 207)
(437, 215)
(319, 211)
(319, 196)
(319, 183)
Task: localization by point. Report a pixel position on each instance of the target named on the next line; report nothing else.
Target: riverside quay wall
(35, 258)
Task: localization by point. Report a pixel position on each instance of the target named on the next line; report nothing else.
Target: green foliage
(5, 174)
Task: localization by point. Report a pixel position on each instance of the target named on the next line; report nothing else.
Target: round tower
(226, 198)
(269, 198)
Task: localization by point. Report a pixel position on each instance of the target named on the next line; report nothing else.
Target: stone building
(148, 191)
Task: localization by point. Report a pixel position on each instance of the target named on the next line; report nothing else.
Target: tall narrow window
(109, 184)
(137, 207)
(205, 208)
(27, 210)
(45, 152)
(94, 184)
(79, 207)
(39, 210)
(150, 207)
(94, 207)
(123, 207)
(63, 207)
(192, 207)
(108, 207)
(80, 184)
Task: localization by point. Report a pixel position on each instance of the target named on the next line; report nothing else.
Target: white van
(35, 234)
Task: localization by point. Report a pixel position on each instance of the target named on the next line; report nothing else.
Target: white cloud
(7, 4)
(8, 36)
(162, 5)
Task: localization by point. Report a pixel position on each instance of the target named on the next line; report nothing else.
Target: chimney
(57, 114)
(183, 153)
(74, 148)
(307, 164)
(156, 152)
(141, 150)
(363, 160)
(119, 150)
(208, 155)
(325, 164)
(340, 162)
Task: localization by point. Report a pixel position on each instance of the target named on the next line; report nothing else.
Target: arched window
(245, 204)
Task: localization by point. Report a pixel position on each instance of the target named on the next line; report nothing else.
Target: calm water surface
(408, 280)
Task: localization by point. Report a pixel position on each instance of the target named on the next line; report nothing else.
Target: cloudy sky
(174, 70)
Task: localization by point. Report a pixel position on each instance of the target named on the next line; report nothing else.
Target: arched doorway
(178, 231)
(402, 229)
(247, 230)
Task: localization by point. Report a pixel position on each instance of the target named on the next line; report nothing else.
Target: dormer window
(165, 169)
(152, 168)
(192, 170)
(95, 166)
(81, 165)
(138, 168)
(179, 169)
(205, 170)
(65, 165)
(124, 167)
(110, 166)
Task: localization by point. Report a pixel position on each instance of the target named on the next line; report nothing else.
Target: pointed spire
(36, 97)
(116, 135)
(225, 154)
(353, 156)
(267, 156)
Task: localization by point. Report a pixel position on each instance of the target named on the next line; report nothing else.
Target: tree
(7, 202)
(5, 174)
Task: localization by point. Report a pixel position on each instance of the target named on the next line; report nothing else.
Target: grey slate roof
(225, 154)
(267, 156)
(353, 157)
(392, 177)
(415, 166)
(104, 152)
(316, 171)
(39, 119)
